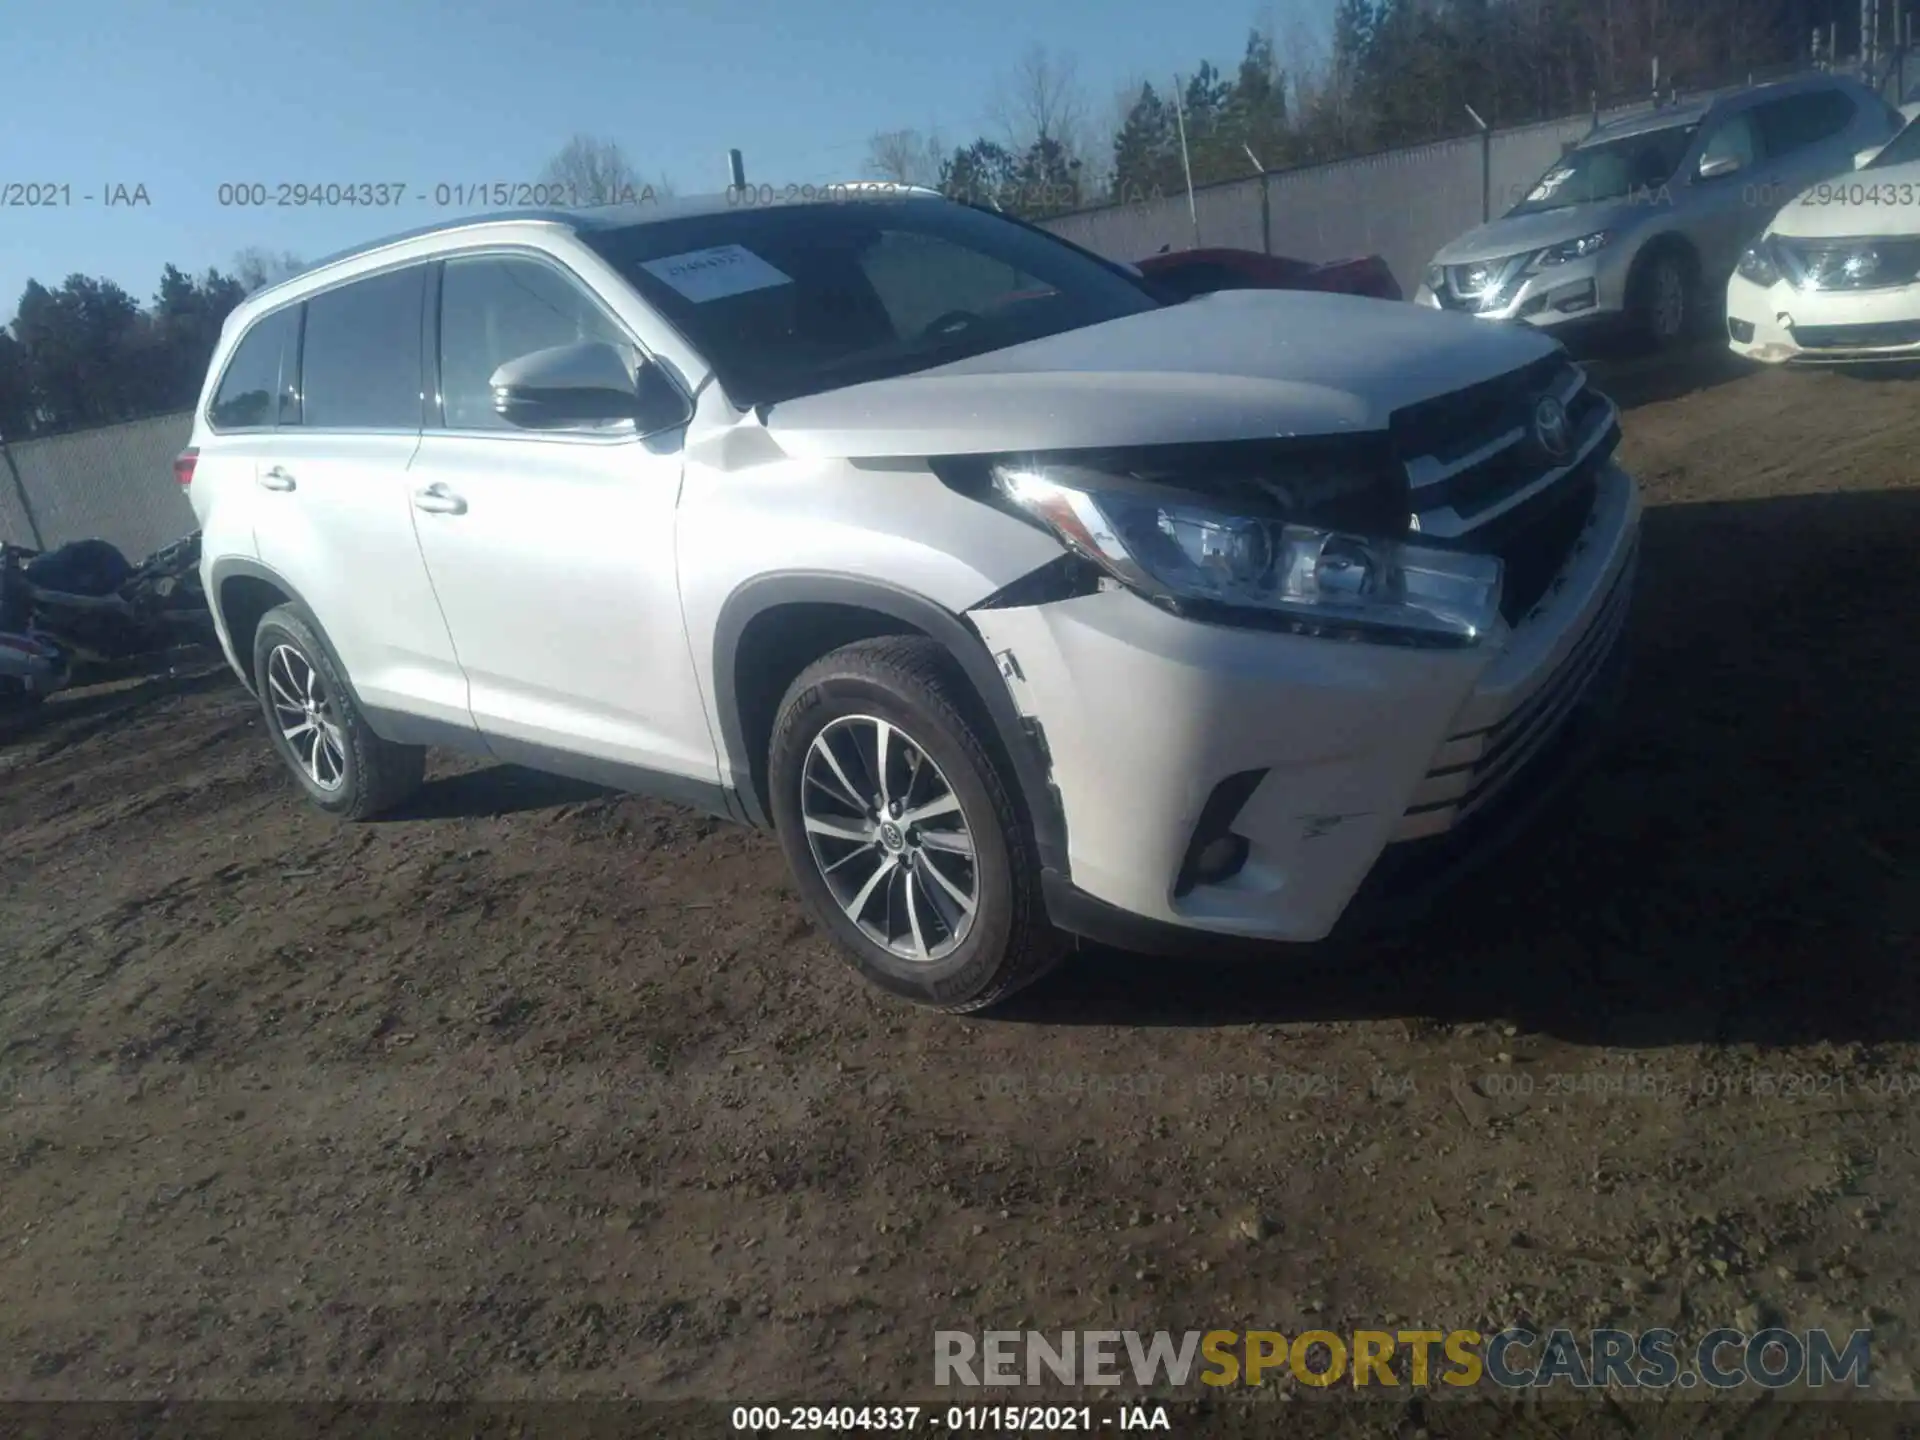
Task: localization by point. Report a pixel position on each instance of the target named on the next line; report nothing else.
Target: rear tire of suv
(318, 730)
(901, 832)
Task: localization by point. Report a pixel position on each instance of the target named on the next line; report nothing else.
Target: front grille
(1535, 540)
(1474, 766)
(1886, 336)
(1452, 425)
(1478, 476)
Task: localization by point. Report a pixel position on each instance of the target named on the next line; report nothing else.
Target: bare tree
(1042, 100)
(256, 268)
(597, 172)
(906, 157)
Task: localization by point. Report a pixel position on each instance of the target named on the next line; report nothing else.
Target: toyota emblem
(1550, 428)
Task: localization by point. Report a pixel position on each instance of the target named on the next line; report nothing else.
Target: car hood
(1238, 365)
(1513, 234)
(1861, 202)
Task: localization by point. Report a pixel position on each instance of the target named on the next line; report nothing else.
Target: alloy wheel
(304, 712)
(887, 832)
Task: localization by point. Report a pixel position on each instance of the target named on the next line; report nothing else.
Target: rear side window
(496, 308)
(360, 363)
(1802, 120)
(258, 388)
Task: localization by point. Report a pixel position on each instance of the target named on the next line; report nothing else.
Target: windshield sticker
(1550, 182)
(703, 275)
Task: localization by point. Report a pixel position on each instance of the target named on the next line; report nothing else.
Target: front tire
(1665, 301)
(318, 730)
(902, 835)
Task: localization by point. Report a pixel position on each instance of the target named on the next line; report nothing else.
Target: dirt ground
(538, 1093)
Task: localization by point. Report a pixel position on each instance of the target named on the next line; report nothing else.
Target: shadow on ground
(1741, 865)
(1633, 379)
(495, 790)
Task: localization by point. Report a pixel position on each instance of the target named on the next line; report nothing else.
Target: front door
(552, 552)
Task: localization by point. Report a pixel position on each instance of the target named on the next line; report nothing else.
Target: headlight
(1573, 249)
(1190, 554)
(1757, 264)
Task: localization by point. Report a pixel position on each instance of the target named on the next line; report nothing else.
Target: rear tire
(317, 729)
(933, 893)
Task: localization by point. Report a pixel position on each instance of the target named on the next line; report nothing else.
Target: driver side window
(1736, 139)
(920, 278)
(496, 308)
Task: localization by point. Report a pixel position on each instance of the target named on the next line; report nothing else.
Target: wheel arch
(241, 593)
(774, 626)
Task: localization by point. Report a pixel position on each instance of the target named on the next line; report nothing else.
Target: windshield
(1903, 147)
(792, 300)
(1610, 170)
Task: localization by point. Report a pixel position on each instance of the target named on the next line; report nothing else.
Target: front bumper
(1775, 324)
(1362, 749)
(1578, 293)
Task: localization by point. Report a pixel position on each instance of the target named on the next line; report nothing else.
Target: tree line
(1391, 73)
(87, 353)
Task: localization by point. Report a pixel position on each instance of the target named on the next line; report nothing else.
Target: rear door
(1808, 138)
(257, 388)
(552, 551)
(334, 514)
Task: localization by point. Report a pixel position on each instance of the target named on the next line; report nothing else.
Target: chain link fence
(114, 483)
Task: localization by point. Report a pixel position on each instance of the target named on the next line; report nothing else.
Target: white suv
(1015, 600)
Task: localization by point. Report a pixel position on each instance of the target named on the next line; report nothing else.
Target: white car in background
(1836, 276)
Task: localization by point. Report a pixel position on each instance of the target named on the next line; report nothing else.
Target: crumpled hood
(1238, 365)
(1515, 234)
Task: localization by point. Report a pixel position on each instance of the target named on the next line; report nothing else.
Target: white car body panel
(1867, 204)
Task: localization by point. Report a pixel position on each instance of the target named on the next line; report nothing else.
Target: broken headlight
(1173, 549)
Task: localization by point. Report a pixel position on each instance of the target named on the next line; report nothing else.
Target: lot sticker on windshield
(703, 275)
(1550, 182)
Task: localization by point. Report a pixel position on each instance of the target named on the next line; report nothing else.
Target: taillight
(183, 465)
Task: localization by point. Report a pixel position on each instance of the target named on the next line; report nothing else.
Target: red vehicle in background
(1187, 273)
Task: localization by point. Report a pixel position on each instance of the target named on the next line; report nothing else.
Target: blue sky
(180, 98)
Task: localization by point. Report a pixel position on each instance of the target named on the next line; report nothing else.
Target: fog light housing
(1214, 853)
(1740, 330)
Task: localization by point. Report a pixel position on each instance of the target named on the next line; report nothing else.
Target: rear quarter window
(259, 388)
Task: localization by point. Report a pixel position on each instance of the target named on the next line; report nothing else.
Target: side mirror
(1712, 167)
(1864, 158)
(587, 383)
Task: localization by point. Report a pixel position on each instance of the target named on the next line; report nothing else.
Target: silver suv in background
(1643, 221)
(1009, 596)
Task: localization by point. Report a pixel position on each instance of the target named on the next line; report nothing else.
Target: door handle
(276, 479)
(438, 500)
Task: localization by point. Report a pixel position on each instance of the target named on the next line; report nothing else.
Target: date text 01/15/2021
(958, 1419)
(63, 194)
